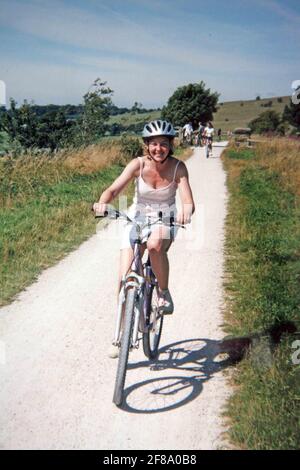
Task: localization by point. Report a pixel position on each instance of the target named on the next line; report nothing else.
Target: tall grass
(45, 208)
(262, 286)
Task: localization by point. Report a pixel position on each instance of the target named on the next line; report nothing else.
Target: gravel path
(57, 381)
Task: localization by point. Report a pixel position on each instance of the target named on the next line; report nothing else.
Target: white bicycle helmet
(157, 128)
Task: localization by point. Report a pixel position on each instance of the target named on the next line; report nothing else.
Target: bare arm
(186, 196)
(117, 186)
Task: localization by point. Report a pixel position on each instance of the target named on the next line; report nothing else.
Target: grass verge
(262, 290)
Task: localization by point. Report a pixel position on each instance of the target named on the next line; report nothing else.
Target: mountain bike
(139, 317)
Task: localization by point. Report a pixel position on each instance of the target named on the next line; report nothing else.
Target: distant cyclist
(209, 132)
(200, 131)
(188, 132)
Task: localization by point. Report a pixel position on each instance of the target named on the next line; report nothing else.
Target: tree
(20, 124)
(48, 126)
(136, 108)
(192, 103)
(53, 130)
(291, 113)
(265, 122)
(26, 128)
(92, 124)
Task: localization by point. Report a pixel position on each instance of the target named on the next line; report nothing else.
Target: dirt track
(57, 381)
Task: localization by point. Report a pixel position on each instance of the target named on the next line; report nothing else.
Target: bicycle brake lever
(100, 216)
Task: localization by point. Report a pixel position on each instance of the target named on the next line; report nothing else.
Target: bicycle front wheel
(125, 345)
(154, 324)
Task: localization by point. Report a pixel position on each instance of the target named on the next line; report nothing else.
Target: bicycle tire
(151, 351)
(207, 151)
(124, 348)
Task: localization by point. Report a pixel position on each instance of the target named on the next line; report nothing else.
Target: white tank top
(149, 201)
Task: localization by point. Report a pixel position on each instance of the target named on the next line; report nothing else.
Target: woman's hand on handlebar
(100, 208)
(184, 217)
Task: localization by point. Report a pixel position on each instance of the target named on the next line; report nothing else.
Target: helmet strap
(164, 159)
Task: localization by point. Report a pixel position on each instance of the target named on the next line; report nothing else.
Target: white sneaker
(113, 351)
(165, 303)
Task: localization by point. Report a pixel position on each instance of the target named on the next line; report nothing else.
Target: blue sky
(51, 51)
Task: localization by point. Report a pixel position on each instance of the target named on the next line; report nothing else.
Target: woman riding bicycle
(157, 176)
(209, 132)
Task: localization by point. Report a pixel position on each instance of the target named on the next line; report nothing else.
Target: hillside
(234, 114)
(231, 114)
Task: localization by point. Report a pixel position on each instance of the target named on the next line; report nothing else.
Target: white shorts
(130, 232)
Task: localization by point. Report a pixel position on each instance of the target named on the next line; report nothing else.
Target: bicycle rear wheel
(125, 345)
(154, 323)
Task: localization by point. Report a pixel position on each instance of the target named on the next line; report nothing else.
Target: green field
(127, 119)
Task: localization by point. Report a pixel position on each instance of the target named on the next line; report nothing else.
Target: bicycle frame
(140, 277)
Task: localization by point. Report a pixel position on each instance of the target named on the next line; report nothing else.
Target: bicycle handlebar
(115, 214)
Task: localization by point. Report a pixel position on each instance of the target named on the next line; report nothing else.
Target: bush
(281, 129)
(131, 147)
(268, 104)
(291, 114)
(265, 122)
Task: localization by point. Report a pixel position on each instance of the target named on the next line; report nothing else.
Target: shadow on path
(194, 361)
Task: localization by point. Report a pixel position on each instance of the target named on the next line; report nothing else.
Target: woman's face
(159, 147)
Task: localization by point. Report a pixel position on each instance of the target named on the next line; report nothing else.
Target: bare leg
(158, 246)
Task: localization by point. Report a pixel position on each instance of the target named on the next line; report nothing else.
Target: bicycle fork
(137, 282)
